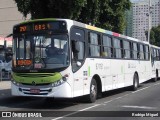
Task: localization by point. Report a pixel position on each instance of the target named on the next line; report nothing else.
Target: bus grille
(43, 91)
(35, 84)
(34, 75)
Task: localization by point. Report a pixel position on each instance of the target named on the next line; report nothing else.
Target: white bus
(155, 62)
(62, 58)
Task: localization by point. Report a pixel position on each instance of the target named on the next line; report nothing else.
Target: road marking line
(157, 84)
(106, 103)
(77, 112)
(141, 107)
(146, 88)
(90, 107)
(115, 99)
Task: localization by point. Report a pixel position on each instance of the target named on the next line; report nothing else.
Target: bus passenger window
(118, 49)
(135, 51)
(127, 53)
(141, 51)
(94, 47)
(107, 47)
(74, 51)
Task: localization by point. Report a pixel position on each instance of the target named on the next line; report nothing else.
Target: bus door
(78, 55)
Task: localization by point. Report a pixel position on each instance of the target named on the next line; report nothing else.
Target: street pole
(149, 20)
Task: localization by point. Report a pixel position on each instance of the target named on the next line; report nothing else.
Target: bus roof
(87, 27)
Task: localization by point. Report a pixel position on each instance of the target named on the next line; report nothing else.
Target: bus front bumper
(62, 91)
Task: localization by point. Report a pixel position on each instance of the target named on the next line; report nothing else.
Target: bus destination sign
(40, 26)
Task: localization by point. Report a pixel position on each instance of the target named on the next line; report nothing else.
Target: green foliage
(107, 14)
(155, 36)
(90, 12)
(112, 15)
(24, 6)
(51, 8)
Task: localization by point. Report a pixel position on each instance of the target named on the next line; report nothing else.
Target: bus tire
(156, 78)
(135, 82)
(93, 91)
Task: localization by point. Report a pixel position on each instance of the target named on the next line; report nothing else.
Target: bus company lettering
(99, 66)
(131, 65)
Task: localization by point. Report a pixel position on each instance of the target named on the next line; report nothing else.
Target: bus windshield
(41, 51)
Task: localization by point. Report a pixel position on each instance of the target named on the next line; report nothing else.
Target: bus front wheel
(93, 91)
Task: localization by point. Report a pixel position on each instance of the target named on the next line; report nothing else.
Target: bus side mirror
(79, 63)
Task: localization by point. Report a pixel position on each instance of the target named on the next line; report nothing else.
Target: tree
(50, 8)
(155, 36)
(90, 12)
(24, 6)
(107, 14)
(112, 14)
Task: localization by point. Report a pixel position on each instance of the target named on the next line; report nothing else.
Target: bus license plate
(34, 90)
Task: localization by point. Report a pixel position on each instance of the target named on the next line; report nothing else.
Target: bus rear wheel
(135, 82)
(156, 78)
(93, 91)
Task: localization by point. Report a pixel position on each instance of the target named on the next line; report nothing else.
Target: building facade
(9, 16)
(141, 12)
(129, 21)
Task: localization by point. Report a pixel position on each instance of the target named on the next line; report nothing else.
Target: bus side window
(107, 46)
(135, 51)
(141, 52)
(117, 48)
(138, 51)
(131, 49)
(127, 54)
(94, 44)
(157, 55)
(75, 49)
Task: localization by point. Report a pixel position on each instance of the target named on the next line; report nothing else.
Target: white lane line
(146, 88)
(89, 107)
(140, 107)
(157, 84)
(76, 112)
(103, 103)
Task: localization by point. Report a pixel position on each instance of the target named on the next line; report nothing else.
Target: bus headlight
(14, 82)
(60, 82)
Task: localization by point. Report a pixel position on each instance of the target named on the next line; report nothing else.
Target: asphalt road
(121, 104)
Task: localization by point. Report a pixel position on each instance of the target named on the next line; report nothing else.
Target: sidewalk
(6, 84)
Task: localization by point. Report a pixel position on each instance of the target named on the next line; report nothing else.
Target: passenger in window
(104, 54)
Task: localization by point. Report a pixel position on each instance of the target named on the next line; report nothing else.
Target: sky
(133, 0)
(137, 0)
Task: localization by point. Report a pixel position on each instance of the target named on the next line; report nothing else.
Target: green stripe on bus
(89, 71)
(37, 78)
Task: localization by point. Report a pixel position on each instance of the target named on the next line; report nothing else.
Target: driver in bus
(51, 50)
